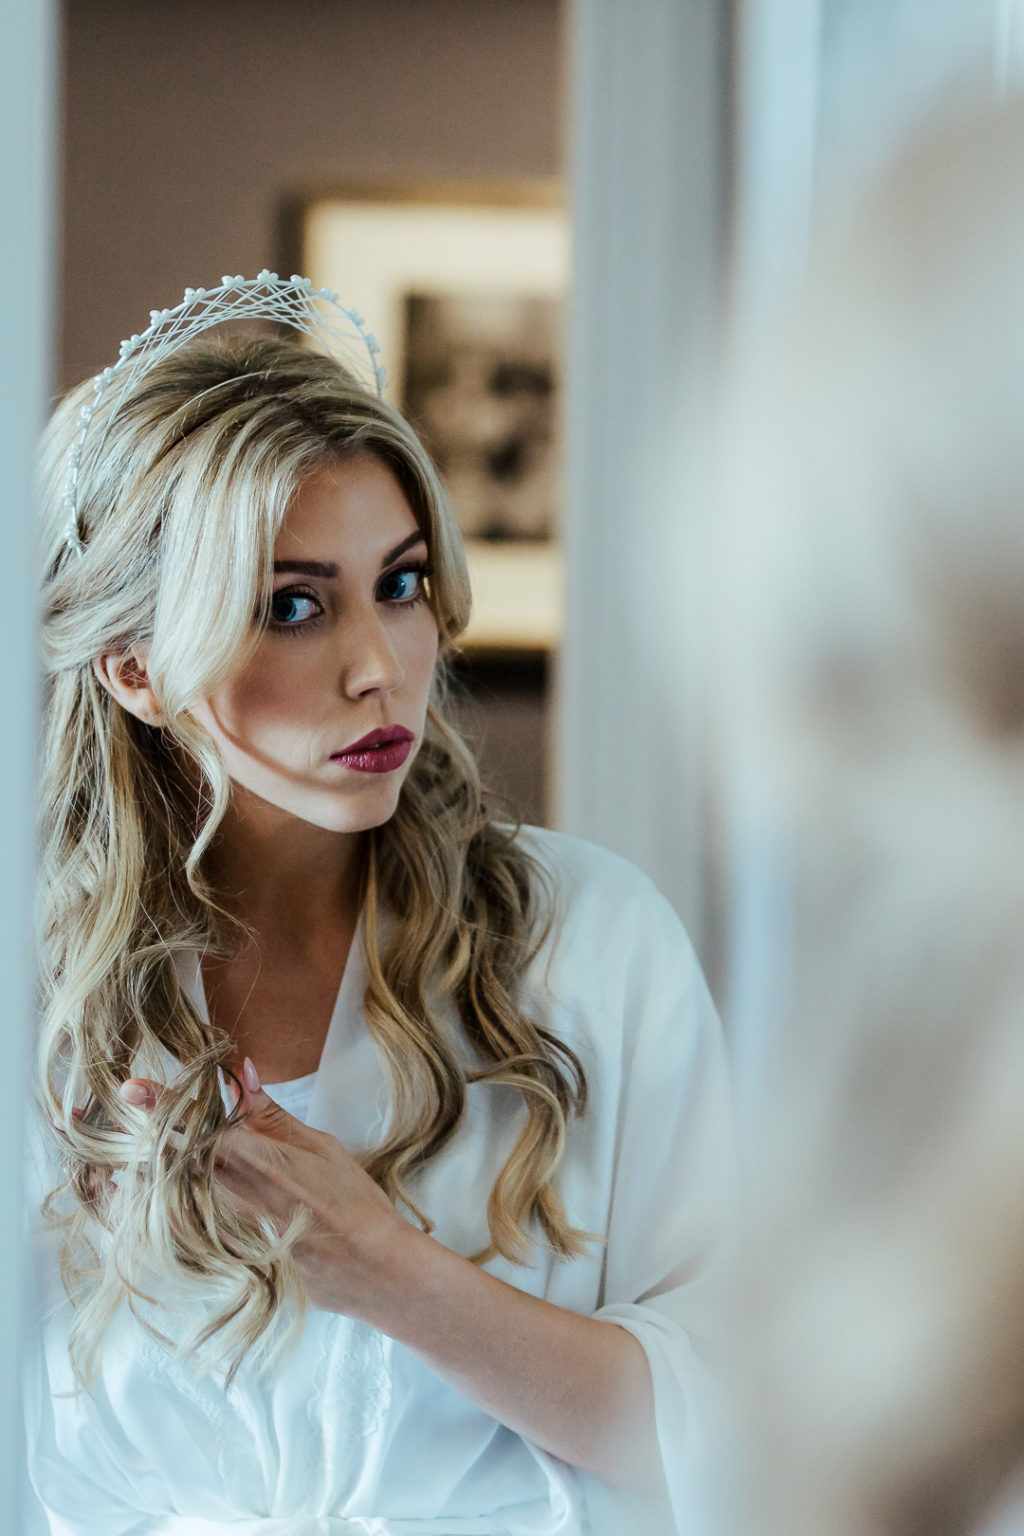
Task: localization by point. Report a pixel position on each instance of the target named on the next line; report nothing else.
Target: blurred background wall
(27, 97)
(189, 126)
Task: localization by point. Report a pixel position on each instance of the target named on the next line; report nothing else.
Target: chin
(351, 813)
(358, 808)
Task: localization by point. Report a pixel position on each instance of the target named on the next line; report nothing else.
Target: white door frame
(648, 178)
(27, 115)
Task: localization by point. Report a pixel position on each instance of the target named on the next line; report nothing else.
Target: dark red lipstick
(380, 752)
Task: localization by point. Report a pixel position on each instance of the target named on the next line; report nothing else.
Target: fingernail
(135, 1093)
(250, 1077)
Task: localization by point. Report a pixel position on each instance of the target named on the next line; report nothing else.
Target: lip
(380, 751)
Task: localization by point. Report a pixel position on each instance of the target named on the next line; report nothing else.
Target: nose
(369, 662)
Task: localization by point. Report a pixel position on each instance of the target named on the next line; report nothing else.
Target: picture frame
(464, 288)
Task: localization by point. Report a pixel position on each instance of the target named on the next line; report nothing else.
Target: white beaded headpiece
(316, 312)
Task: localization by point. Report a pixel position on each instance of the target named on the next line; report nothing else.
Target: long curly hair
(179, 506)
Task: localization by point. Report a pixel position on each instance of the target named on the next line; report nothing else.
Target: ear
(124, 676)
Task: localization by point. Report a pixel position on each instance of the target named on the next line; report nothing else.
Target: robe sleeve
(672, 1213)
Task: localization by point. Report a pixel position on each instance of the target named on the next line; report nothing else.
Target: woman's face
(324, 720)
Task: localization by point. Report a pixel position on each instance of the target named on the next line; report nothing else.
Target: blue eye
(403, 586)
(289, 609)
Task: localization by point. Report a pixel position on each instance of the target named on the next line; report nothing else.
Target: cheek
(266, 692)
(420, 653)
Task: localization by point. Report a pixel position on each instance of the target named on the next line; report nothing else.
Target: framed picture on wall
(465, 289)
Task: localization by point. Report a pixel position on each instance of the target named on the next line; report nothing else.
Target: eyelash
(418, 568)
(421, 569)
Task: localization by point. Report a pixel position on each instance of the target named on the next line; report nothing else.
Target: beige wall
(190, 124)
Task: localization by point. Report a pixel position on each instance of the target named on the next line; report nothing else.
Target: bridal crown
(317, 312)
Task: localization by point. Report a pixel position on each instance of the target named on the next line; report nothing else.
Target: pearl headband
(316, 312)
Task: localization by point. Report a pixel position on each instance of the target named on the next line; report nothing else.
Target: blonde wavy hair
(179, 509)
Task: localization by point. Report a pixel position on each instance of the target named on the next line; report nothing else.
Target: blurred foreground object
(872, 630)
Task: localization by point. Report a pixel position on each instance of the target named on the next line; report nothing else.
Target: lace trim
(234, 1425)
(350, 1397)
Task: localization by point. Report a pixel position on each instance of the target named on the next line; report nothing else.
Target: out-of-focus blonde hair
(877, 651)
(179, 510)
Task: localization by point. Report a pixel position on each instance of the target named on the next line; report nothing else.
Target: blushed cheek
(261, 698)
(419, 668)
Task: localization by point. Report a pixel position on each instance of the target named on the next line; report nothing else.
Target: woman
(441, 1277)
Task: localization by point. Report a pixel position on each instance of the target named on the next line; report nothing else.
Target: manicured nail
(250, 1077)
(137, 1094)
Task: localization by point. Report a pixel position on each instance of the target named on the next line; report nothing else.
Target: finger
(263, 1114)
(250, 1077)
(100, 1185)
(139, 1092)
(257, 1170)
(261, 1145)
(76, 1114)
(232, 1091)
(258, 1189)
(240, 1092)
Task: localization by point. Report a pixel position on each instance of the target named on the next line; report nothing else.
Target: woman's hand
(578, 1387)
(285, 1169)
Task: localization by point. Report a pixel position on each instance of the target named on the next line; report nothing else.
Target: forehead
(345, 509)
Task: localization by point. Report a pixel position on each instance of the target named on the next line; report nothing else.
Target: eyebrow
(305, 568)
(328, 571)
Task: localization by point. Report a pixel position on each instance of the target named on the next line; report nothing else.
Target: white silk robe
(354, 1433)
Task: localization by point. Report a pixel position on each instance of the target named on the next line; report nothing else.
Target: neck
(282, 876)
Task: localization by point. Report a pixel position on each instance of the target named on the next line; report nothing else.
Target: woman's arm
(578, 1387)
